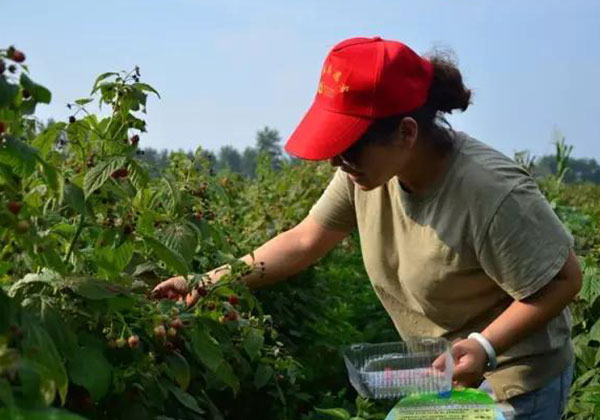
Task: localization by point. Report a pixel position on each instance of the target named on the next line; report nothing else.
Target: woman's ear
(408, 132)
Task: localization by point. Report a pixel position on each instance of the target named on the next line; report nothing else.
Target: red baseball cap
(362, 79)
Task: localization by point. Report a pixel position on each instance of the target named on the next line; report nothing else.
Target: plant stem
(75, 237)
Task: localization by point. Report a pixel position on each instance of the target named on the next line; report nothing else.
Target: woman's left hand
(470, 360)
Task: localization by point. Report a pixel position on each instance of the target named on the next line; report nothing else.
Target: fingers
(192, 298)
(440, 363)
(173, 288)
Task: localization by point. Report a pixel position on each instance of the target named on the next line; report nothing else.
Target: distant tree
(268, 141)
(229, 158)
(249, 160)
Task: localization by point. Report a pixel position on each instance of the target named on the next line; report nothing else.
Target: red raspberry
(120, 173)
(233, 299)
(232, 316)
(14, 207)
(135, 140)
(18, 56)
(177, 324)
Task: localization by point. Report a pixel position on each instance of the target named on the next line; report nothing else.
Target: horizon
(226, 70)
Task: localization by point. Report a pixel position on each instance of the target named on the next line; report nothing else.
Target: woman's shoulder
(482, 168)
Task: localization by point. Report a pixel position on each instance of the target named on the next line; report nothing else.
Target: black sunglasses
(351, 154)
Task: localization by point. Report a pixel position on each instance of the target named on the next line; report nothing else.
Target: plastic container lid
(393, 370)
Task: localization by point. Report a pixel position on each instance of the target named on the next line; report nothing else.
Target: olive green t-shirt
(447, 262)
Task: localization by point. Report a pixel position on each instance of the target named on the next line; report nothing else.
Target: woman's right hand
(176, 288)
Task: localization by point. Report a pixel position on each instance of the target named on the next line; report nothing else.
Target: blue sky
(227, 68)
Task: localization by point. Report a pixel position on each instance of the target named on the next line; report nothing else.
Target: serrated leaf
(206, 348)
(175, 202)
(89, 368)
(225, 373)
(173, 259)
(253, 342)
(115, 259)
(262, 376)
(20, 156)
(74, 197)
(91, 288)
(186, 400)
(590, 289)
(39, 349)
(97, 176)
(45, 140)
(179, 369)
(138, 175)
(50, 175)
(180, 238)
(38, 92)
(101, 78)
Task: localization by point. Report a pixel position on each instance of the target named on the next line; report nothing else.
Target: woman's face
(370, 164)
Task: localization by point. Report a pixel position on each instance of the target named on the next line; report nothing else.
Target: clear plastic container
(393, 370)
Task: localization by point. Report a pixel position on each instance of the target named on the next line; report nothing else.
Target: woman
(456, 238)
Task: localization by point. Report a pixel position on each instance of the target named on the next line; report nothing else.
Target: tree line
(268, 140)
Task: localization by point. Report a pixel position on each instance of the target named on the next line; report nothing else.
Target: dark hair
(447, 93)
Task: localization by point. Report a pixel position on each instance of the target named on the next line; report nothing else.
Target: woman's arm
(520, 319)
(525, 316)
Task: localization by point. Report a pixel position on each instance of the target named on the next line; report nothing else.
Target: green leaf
(6, 395)
(101, 78)
(206, 348)
(145, 87)
(97, 176)
(74, 197)
(61, 332)
(20, 156)
(174, 195)
(178, 369)
(590, 290)
(172, 258)
(40, 351)
(83, 101)
(262, 376)
(48, 138)
(180, 238)
(253, 342)
(8, 92)
(91, 288)
(38, 92)
(138, 176)
(89, 368)
(50, 175)
(225, 373)
(335, 413)
(15, 413)
(186, 400)
(115, 260)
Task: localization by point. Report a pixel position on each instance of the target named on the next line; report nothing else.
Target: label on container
(444, 413)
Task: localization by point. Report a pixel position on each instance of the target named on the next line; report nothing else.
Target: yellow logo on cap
(328, 89)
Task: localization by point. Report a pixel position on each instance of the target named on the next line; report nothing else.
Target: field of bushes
(87, 229)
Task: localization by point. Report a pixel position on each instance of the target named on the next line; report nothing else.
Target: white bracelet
(487, 346)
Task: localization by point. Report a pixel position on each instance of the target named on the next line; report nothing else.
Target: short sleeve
(526, 244)
(335, 208)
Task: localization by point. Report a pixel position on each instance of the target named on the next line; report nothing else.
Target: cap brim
(324, 134)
